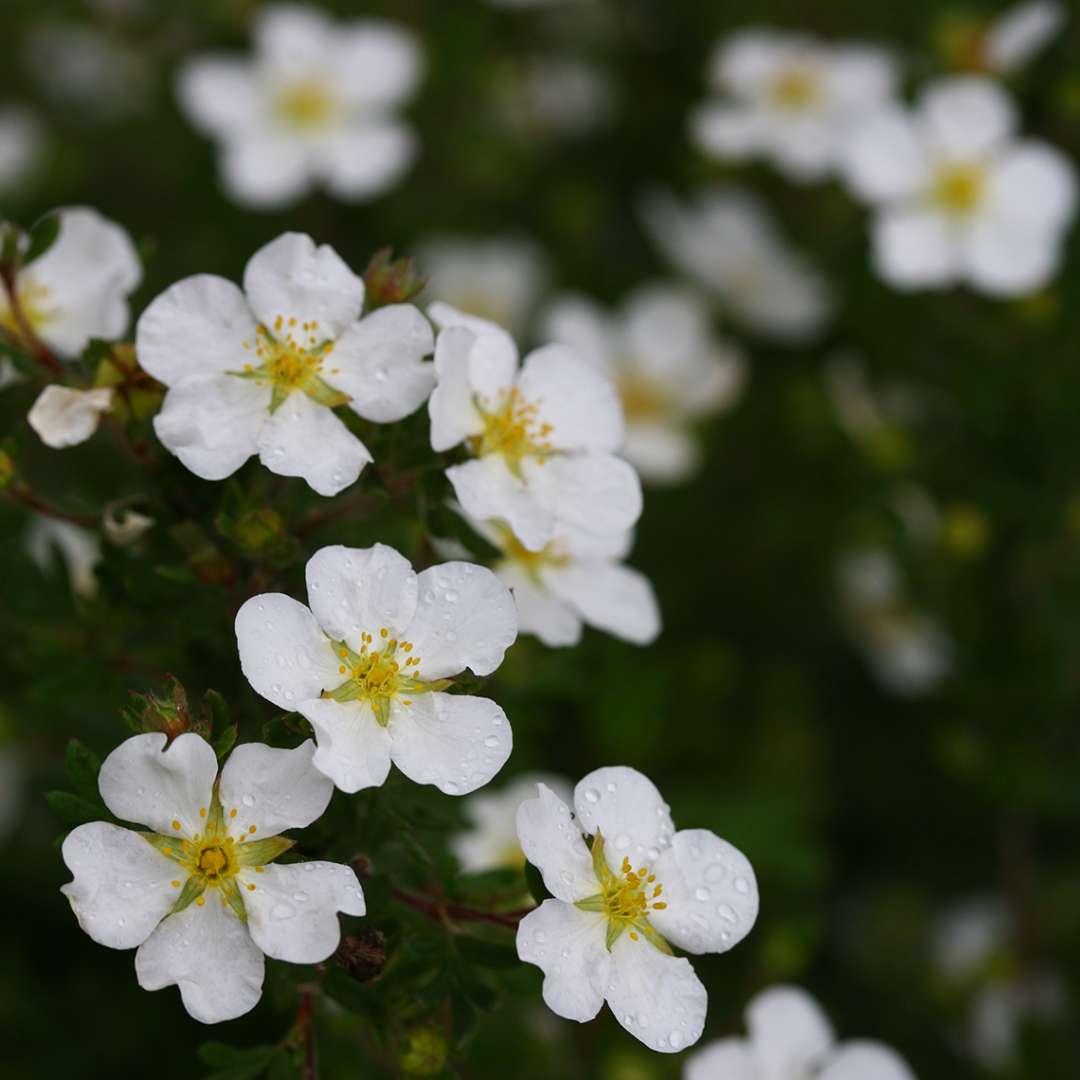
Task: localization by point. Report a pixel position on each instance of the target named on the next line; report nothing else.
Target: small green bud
(391, 281)
(169, 713)
(426, 1053)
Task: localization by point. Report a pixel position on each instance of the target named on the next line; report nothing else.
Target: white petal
(354, 591)
(212, 424)
(455, 741)
(599, 493)
(609, 596)
(585, 327)
(376, 63)
(465, 618)
(284, 653)
(121, 888)
(661, 453)
(724, 1059)
(293, 910)
(360, 163)
(382, 366)
(967, 114)
(266, 170)
(581, 405)
(625, 806)
(711, 893)
(353, 747)
(207, 952)
(860, 76)
(567, 944)
(219, 94)
(656, 997)
(883, 158)
(865, 1060)
(1033, 187)
(306, 439)
(453, 414)
(293, 278)
(63, 416)
(749, 59)
(1021, 32)
(487, 489)
(728, 132)
(273, 789)
(789, 1032)
(805, 147)
(89, 271)
(916, 249)
(539, 610)
(497, 355)
(196, 327)
(553, 843)
(1010, 261)
(143, 781)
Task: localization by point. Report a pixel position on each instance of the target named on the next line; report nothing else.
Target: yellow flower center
(306, 105)
(34, 301)
(642, 398)
(958, 189)
(215, 861)
(796, 89)
(513, 430)
(532, 562)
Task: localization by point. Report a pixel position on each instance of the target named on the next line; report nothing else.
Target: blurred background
(869, 675)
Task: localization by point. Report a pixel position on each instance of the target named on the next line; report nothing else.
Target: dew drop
(300, 897)
(622, 841)
(676, 1039)
(742, 885)
(726, 911)
(491, 742)
(702, 894)
(592, 795)
(282, 911)
(248, 800)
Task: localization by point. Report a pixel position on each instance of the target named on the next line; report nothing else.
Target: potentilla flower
(64, 416)
(317, 105)
(605, 936)
(668, 367)
(20, 145)
(78, 289)
(79, 548)
(543, 437)
(960, 198)
(370, 663)
(790, 1037)
(198, 894)
(492, 841)
(1005, 44)
(261, 370)
(498, 278)
(727, 242)
(789, 98)
(577, 578)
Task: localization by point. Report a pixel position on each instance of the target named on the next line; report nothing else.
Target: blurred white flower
(542, 437)
(865, 410)
(317, 105)
(668, 367)
(789, 98)
(499, 279)
(605, 934)
(491, 843)
(21, 140)
(199, 895)
(576, 578)
(726, 241)
(959, 196)
(790, 1037)
(124, 526)
(64, 416)
(1019, 34)
(368, 666)
(556, 95)
(907, 650)
(78, 289)
(79, 548)
(260, 370)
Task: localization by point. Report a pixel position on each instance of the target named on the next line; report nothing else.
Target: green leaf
(83, 767)
(226, 737)
(43, 235)
(72, 809)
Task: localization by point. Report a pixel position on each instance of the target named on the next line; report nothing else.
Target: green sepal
(277, 398)
(380, 706)
(600, 866)
(591, 903)
(230, 892)
(645, 928)
(614, 929)
(261, 852)
(322, 393)
(193, 888)
(170, 846)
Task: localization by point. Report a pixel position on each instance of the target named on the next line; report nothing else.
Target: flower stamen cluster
(796, 89)
(306, 105)
(512, 429)
(958, 189)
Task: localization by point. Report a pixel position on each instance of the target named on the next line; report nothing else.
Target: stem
(29, 339)
(305, 1025)
(443, 912)
(22, 494)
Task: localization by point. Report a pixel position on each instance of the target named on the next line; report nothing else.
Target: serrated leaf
(42, 236)
(83, 767)
(72, 809)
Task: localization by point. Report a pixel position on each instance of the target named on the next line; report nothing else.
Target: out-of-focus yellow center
(306, 105)
(34, 302)
(958, 189)
(551, 554)
(796, 89)
(642, 398)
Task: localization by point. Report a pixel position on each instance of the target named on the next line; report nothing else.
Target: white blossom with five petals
(198, 895)
(369, 663)
(260, 370)
(543, 437)
(604, 936)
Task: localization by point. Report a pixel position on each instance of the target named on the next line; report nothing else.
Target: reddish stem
(305, 1023)
(28, 339)
(21, 493)
(441, 912)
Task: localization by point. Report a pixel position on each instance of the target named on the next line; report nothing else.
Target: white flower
(316, 105)
(368, 665)
(542, 438)
(959, 197)
(790, 1037)
(197, 894)
(124, 526)
(79, 548)
(63, 416)
(1017, 35)
(667, 366)
(499, 279)
(604, 936)
(576, 578)
(492, 841)
(789, 98)
(20, 145)
(78, 289)
(260, 370)
(726, 242)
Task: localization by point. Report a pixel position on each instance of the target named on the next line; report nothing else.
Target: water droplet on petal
(248, 800)
(702, 894)
(592, 795)
(742, 885)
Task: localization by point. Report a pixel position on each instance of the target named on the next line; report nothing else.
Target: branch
(305, 1029)
(443, 912)
(21, 493)
(28, 338)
